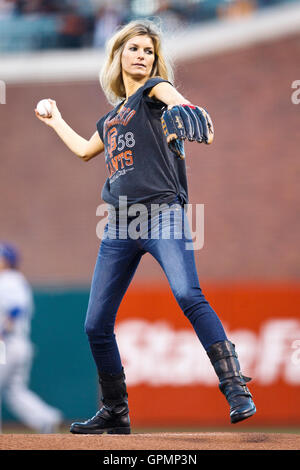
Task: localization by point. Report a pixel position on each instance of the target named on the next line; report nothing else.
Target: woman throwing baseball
(144, 156)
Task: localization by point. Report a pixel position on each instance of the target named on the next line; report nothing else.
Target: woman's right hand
(55, 115)
(83, 148)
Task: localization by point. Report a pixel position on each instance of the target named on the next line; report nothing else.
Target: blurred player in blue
(16, 309)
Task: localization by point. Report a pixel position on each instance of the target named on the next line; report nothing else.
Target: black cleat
(113, 416)
(239, 398)
(231, 381)
(110, 420)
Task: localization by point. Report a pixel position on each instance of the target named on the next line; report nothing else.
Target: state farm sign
(157, 354)
(165, 364)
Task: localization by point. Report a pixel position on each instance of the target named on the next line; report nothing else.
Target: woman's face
(138, 57)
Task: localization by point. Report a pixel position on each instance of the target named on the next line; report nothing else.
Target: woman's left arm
(166, 93)
(203, 132)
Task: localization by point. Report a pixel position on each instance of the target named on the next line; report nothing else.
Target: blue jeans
(117, 261)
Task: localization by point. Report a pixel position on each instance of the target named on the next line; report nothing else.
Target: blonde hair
(111, 79)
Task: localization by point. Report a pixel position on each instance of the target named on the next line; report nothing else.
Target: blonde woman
(138, 82)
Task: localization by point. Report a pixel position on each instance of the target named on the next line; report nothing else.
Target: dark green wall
(63, 371)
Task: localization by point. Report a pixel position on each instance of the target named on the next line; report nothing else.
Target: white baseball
(44, 108)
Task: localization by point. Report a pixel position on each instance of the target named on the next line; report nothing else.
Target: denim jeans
(118, 258)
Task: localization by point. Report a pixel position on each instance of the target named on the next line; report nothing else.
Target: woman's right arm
(83, 148)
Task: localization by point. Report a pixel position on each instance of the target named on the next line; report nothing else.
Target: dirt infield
(157, 441)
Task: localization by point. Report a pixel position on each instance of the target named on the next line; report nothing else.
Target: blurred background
(240, 60)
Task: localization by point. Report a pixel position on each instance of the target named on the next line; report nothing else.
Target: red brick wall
(248, 179)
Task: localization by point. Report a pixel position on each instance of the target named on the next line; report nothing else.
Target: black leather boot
(113, 417)
(232, 383)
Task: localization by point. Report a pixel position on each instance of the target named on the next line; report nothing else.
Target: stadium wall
(247, 180)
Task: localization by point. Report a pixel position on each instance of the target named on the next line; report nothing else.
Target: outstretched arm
(182, 120)
(83, 148)
(166, 93)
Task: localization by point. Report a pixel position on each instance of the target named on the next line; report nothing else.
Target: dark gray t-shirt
(139, 162)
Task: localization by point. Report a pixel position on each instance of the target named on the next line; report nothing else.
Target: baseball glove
(186, 121)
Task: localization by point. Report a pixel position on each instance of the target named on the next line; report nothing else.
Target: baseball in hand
(44, 108)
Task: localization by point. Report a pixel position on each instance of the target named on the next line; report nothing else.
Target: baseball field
(220, 439)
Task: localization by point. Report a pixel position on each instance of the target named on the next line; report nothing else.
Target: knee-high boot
(113, 416)
(231, 381)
